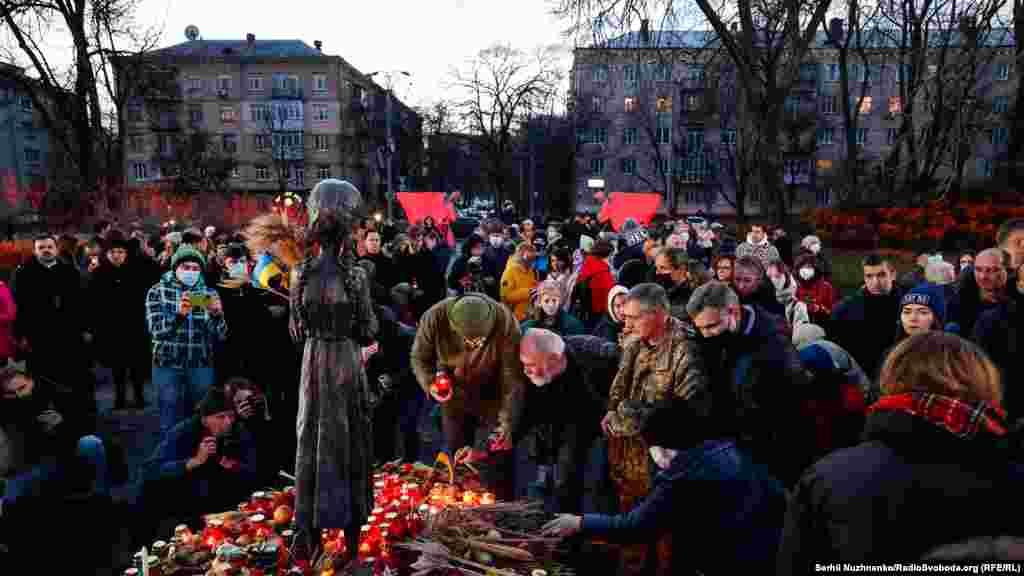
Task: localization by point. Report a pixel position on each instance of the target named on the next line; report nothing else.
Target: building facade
(283, 114)
(660, 111)
(26, 161)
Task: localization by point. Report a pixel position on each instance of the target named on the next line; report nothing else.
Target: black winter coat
(51, 310)
(967, 307)
(866, 326)
(608, 329)
(910, 487)
(997, 331)
(117, 308)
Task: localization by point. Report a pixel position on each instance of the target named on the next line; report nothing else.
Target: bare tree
(496, 91)
(195, 162)
(280, 142)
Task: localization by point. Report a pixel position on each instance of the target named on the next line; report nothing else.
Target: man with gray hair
(755, 373)
(661, 361)
(984, 288)
(565, 372)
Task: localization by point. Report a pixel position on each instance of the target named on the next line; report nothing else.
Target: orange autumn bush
(904, 228)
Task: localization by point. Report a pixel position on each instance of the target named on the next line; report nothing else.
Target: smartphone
(199, 300)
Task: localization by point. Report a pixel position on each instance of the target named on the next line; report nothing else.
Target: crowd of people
(728, 408)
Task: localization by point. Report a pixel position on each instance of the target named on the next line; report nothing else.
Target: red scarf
(962, 419)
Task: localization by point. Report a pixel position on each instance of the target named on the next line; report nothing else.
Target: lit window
(663, 104)
(865, 105)
(895, 105)
(630, 104)
(824, 165)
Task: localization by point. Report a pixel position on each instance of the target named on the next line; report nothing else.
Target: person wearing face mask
(814, 290)
(733, 508)
(498, 250)
(755, 373)
(120, 337)
(671, 266)
(247, 351)
(611, 324)
(53, 320)
(185, 320)
(785, 292)
(547, 312)
(812, 245)
(519, 280)
(998, 332)
(474, 342)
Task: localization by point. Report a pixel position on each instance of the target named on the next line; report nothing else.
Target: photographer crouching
(205, 463)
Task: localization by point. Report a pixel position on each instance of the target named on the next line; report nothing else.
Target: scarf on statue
(962, 419)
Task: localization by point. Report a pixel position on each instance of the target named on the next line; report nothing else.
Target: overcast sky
(424, 38)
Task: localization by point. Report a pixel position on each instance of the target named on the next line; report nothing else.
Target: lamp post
(390, 146)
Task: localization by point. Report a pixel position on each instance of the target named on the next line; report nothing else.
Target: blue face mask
(188, 277)
(237, 270)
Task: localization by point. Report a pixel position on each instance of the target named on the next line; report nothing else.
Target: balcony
(296, 152)
(286, 93)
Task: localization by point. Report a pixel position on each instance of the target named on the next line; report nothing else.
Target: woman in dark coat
(935, 460)
(333, 313)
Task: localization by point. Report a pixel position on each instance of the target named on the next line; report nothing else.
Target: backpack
(582, 306)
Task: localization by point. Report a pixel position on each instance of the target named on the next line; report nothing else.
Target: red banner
(10, 188)
(640, 206)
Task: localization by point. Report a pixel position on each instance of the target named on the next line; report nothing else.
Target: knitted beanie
(187, 253)
(472, 316)
(927, 295)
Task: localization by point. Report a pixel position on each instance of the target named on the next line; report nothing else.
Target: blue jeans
(49, 479)
(179, 390)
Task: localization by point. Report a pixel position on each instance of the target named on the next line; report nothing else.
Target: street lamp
(390, 146)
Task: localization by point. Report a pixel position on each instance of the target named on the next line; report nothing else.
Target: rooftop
(259, 49)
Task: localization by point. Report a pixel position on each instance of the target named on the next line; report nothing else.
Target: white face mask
(549, 307)
(496, 241)
(188, 277)
(779, 282)
(814, 248)
(685, 236)
(807, 273)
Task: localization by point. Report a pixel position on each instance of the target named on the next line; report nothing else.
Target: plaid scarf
(962, 419)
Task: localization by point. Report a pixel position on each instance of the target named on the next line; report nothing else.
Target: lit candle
(487, 498)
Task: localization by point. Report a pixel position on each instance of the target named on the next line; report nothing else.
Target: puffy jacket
(601, 281)
(516, 283)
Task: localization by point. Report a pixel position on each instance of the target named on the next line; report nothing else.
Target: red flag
(640, 206)
(419, 205)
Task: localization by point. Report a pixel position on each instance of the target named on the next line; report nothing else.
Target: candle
(487, 498)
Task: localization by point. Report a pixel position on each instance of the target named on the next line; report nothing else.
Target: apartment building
(286, 113)
(662, 111)
(27, 163)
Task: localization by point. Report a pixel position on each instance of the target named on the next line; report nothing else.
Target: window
(695, 72)
(1000, 104)
(663, 134)
(600, 136)
(597, 104)
(629, 77)
(195, 84)
(259, 113)
(663, 167)
(824, 135)
(662, 73)
(630, 104)
(895, 105)
(985, 167)
(323, 172)
(903, 73)
(299, 175)
(890, 136)
(321, 142)
(808, 72)
(227, 115)
(256, 83)
(828, 104)
(230, 143)
(629, 136)
(597, 166)
(796, 171)
(629, 166)
(999, 135)
(791, 104)
(140, 171)
(288, 140)
(261, 142)
(26, 104)
(824, 165)
(833, 72)
(663, 104)
(293, 112)
(729, 137)
(165, 144)
(1002, 71)
(319, 82)
(693, 169)
(860, 136)
(320, 113)
(236, 171)
(33, 156)
(195, 115)
(224, 83)
(135, 143)
(582, 136)
(823, 196)
(870, 72)
(694, 141)
(600, 73)
(262, 173)
(865, 105)
(692, 102)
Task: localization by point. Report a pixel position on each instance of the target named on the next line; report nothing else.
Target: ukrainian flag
(268, 274)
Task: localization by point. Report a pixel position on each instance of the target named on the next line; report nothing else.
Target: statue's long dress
(335, 440)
